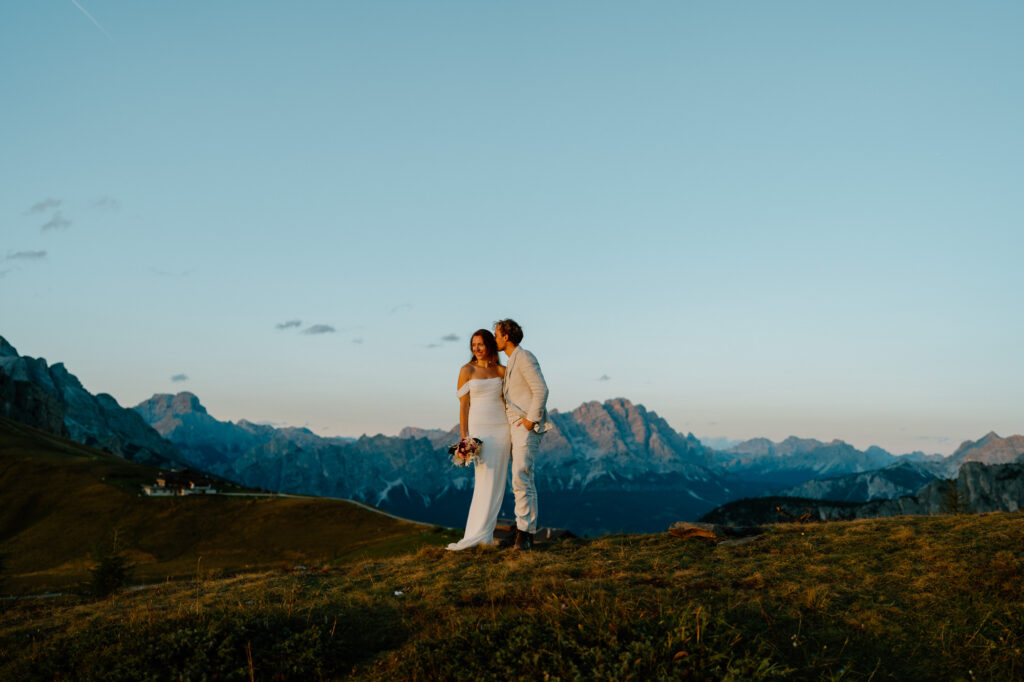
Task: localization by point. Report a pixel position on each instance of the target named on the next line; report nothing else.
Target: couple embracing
(504, 407)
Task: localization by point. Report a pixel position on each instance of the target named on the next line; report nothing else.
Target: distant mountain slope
(439, 438)
(59, 398)
(297, 460)
(895, 480)
(990, 449)
(981, 487)
(910, 473)
(796, 460)
(60, 499)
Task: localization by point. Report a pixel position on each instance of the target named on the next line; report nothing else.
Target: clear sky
(756, 219)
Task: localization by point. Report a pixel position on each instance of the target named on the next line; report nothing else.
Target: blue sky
(757, 219)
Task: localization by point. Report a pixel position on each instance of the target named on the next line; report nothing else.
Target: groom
(525, 396)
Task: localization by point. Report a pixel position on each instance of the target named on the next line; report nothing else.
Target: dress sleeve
(463, 391)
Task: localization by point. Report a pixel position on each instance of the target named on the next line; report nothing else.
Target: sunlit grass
(902, 598)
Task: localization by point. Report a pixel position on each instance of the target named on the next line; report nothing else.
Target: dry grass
(909, 598)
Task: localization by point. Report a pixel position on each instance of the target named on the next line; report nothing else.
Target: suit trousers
(525, 445)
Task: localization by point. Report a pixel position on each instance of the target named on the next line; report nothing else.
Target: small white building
(179, 483)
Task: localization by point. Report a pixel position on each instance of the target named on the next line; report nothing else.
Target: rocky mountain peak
(754, 446)
(990, 449)
(621, 436)
(587, 408)
(64, 379)
(94, 420)
(624, 406)
(164, 405)
(971, 444)
(6, 349)
(187, 402)
(795, 445)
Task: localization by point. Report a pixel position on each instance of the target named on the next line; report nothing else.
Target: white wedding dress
(487, 422)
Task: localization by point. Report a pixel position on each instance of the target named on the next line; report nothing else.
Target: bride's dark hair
(489, 343)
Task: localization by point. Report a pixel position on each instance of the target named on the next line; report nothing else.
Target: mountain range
(909, 473)
(977, 488)
(599, 450)
(603, 467)
(799, 459)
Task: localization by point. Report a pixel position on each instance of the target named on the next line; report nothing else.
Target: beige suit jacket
(525, 391)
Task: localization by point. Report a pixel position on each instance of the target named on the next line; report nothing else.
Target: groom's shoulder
(531, 356)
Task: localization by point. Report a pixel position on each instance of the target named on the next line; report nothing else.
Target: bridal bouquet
(466, 451)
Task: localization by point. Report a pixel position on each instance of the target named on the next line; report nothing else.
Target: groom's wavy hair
(511, 329)
(489, 343)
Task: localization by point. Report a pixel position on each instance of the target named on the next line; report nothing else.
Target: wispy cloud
(43, 206)
(358, 341)
(289, 324)
(179, 377)
(401, 307)
(26, 255)
(447, 338)
(86, 13)
(3, 273)
(107, 203)
(57, 222)
(604, 377)
(319, 329)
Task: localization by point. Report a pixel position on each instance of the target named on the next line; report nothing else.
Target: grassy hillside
(916, 598)
(60, 500)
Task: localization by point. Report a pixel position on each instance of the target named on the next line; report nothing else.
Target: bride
(482, 415)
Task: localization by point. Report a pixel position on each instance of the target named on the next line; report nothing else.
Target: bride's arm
(464, 403)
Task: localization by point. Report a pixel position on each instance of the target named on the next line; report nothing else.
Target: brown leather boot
(524, 540)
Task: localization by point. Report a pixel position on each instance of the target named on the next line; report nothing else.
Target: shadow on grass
(224, 645)
(689, 642)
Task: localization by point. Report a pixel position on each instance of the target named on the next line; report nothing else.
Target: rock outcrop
(94, 420)
(25, 402)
